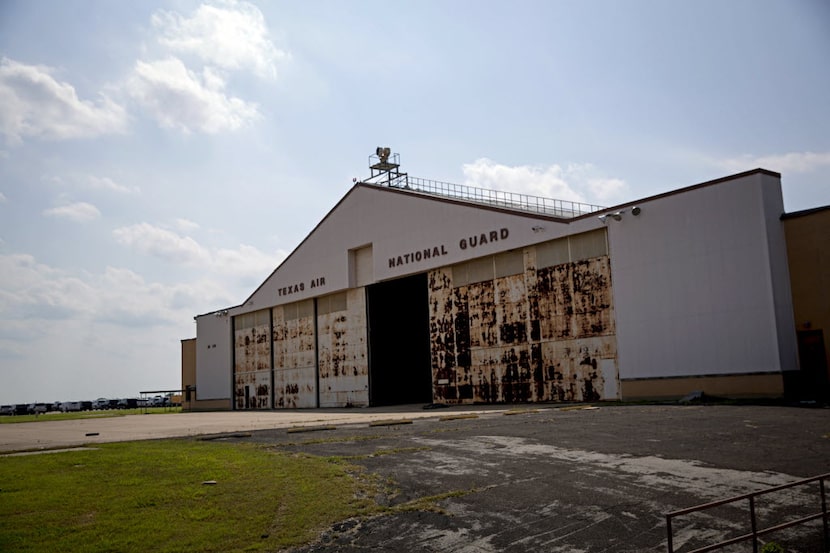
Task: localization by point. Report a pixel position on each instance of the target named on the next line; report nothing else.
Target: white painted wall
(213, 357)
(396, 223)
(700, 285)
(780, 273)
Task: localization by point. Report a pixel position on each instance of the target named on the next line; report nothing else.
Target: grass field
(57, 416)
(161, 496)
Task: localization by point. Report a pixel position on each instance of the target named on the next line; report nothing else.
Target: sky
(159, 159)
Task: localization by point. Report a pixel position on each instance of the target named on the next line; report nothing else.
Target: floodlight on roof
(383, 153)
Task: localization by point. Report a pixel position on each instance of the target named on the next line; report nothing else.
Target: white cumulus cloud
(79, 212)
(230, 35)
(34, 104)
(792, 162)
(578, 182)
(163, 243)
(179, 98)
(245, 262)
(186, 225)
(106, 183)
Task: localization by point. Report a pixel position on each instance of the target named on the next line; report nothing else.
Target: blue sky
(159, 159)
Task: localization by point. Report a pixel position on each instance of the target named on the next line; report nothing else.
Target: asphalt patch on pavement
(575, 480)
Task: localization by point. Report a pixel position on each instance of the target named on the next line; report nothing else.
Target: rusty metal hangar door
(399, 362)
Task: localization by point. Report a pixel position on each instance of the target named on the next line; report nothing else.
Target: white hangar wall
(690, 294)
(372, 226)
(213, 360)
(701, 290)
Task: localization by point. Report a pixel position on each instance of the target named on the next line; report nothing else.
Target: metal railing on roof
(564, 209)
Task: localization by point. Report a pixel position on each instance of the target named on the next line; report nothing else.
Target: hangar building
(417, 291)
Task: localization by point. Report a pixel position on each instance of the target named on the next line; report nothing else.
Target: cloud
(34, 104)
(162, 243)
(186, 225)
(793, 162)
(574, 182)
(79, 212)
(181, 99)
(34, 292)
(106, 183)
(3, 198)
(231, 36)
(245, 262)
(109, 333)
(37, 291)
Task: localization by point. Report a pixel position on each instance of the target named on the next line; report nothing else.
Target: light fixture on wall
(636, 210)
(538, 229)
(617, 215)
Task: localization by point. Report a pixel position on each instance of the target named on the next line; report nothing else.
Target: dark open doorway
(399, 362)
(815, 384)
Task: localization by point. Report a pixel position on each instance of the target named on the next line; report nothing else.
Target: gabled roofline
(685, 189)
(805, 212)
(393, 190)
(530, 215)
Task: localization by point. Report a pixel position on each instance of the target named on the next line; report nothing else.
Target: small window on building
(262, 317)
(552, 253)
(241, 322)
(572, 248)
(588, 245)
(360, 261)
(298, 310)
(331, 303)
(509, 263)
(305, 309)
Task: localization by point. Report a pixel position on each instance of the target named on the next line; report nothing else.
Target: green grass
(150, 496)
(107, 413)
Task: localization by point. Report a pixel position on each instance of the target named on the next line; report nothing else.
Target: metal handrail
(564, 209)
(755, 533)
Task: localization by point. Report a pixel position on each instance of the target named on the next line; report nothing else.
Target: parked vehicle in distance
(159, 401)
(21, 409)
(101, 403)
(37, 408)
(71, 406)
(128, 403)
(6, 410)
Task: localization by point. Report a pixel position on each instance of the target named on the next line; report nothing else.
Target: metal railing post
(754, 525)
(824, 512)
(668, 529)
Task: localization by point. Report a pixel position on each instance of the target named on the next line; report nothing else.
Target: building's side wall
(295, 360)
(528, 335)
(188, 373)
(343, 360)
(693, 284)
(213, 359)
(779, 273)
(252, 360)
(732, 386)
(808, 250)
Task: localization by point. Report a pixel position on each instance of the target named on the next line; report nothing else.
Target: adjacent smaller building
(808, 253)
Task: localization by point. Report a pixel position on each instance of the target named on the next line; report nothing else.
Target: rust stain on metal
(252, 354)
(295, 369)
(536, 336)
(343, 355)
